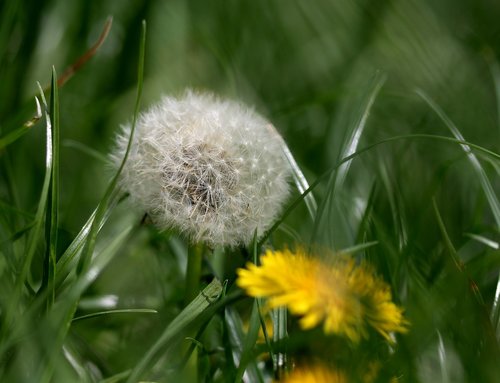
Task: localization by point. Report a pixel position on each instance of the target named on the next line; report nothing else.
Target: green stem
(193, 272)
(280, 335)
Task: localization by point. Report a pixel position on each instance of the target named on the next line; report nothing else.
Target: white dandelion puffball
(210, 168)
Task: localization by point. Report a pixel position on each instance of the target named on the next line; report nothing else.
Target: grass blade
(35, 232)
(175, 329)
(64, 308)
(247, 349)
(89, 246)
(51, 221)
(113, 312)
(66, 263)
(337, 178)
(11, 137)
(367, 148)
(352, 143)
(476, 165)
(73, 68)
(300, 180)
(483, 180)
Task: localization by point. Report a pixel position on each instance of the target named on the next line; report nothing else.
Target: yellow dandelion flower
(315, 374)
(347, 297)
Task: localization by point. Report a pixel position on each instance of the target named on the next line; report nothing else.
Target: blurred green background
(309, 67)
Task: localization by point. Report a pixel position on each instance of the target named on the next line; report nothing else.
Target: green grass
(390, 116)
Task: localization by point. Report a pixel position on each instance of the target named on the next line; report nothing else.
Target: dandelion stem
(193, 271)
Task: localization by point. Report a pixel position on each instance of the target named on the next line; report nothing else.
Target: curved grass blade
(73, 68)
(34, 233)
(352, 144)
(485, 184)
(476, 165)
(300, 181)
(70, 256)
(338, 177)
(11, 137)
(328, 173)
(114, 312)
(175, 330)
(89, 246)
(68, 73)
(85, 268)
(51, 220)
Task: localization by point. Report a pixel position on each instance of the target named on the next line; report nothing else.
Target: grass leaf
(12, 136)
(51, 221)
(89, 246)
(476, 165)
(175, 330)
(35, 232)
(114, 312)
(300, 181)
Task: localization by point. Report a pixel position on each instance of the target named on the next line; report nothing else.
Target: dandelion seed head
(204, 166)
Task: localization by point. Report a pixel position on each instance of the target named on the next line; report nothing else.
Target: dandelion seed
(347, 297)
(204, 166)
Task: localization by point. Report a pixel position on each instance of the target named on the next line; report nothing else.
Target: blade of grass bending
(113, 312)
(89, 246)
(11, 137)
(68, 73)
(338, 177)
(476, 165)
(328, 173)
(73, 68)
(352, 144)
(51, 220)
(35, 232)
(485, 184)
(300, 180)
(174, 331)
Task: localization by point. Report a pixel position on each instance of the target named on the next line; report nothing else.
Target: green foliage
(390, 115)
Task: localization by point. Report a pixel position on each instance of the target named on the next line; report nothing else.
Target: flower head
(315, 374)
(209, 168)
(346, 296)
